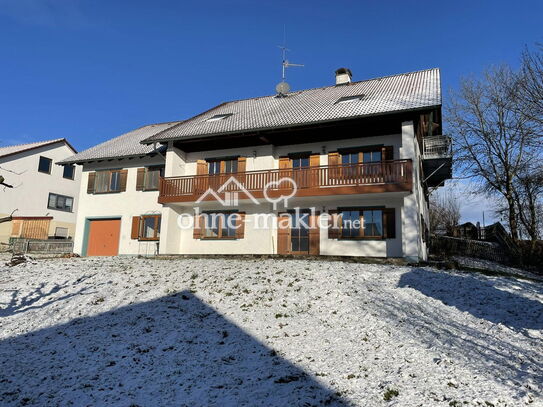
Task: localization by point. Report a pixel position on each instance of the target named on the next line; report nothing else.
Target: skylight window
(218, 117)
(349, 99)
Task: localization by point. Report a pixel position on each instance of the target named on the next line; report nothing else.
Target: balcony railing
(437, 147)
(386, 176)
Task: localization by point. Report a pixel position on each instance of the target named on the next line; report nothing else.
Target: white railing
(437, 147)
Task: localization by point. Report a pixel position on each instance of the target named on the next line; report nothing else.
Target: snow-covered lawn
(211, 332)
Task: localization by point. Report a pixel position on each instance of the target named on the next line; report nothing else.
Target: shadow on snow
(172, 350)
(480, 297)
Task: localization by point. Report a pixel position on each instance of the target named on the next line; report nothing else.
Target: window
(361, 223)
(61, 233)
(219, 225)
(108, 181)
(60, 202)
(349, 99)
(222, 166)
(45, 165)
(218, 117)
(149, 227)
(68, 172)
(371, 156)
(300, 162)
(152, 176)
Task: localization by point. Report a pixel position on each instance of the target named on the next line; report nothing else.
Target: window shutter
(242, 164)
(124, 174)
(284, 163)
(389, 222)
(90, 183)
(388, 153)
(283, 234)
(334, 160)
(135, 227)
(198, 223)
(314, 234)
(242, 167)
(240, 224)
(201, 167)
(333, 224)
(314, 160)
(140, 179)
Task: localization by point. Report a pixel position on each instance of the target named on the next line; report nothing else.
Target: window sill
(362, 238)
(60, 210)
(141, 239)
(219, 238)
(108, 192)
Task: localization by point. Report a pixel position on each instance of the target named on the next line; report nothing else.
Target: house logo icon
(231, 196)
(232, 188)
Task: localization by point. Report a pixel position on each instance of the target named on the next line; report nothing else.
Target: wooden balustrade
(386, 176)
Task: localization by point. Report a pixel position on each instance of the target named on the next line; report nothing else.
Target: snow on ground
(226, 332)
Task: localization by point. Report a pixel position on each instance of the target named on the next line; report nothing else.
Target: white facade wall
(123, 205)
(31, 188)
(177, 240)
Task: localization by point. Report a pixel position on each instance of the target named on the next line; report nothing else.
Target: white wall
(123, 204)
(31, 188)
(266, 157)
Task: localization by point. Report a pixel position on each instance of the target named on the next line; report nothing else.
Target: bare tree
(494, 139)
(530, 84)
(444, 212)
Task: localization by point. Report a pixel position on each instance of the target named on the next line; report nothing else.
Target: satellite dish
(282, 88)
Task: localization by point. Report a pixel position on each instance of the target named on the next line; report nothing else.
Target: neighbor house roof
(19, 148)
(409, 91)
(125, 145)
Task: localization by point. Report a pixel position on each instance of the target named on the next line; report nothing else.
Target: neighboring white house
(342, 170)
(43, 200)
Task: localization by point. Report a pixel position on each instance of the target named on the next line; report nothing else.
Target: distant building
(43, 199)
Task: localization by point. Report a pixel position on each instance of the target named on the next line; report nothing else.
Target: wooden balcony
(386, 176)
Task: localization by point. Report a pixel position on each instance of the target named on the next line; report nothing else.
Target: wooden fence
(449, 246)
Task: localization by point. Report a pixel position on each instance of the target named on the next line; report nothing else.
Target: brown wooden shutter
(333, 224)
(334, 160)
(283, 234)
(135, 233)
(124, 175)
(140, 179)
(240, 224)
(314, 160)
(389, 221)
(242, 167)
(314, 172)
(388, 153)
(90, 183)
(198, 223)
(201, 167)
(314, 234)
(242, 164)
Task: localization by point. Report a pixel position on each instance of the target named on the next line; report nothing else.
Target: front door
(299, 234)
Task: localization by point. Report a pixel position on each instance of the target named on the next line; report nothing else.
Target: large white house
(43, 197)
(342, 170)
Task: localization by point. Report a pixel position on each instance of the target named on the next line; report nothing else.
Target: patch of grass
(390, 394)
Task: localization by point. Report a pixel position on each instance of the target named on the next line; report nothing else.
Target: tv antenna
(283, 87)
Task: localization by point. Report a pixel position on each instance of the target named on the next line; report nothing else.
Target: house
(342, 170)
(43, 200)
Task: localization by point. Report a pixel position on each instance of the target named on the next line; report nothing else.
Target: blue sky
(89, 70)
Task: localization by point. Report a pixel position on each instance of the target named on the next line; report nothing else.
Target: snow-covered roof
(19, 148)
(125, 145)
(409, 91)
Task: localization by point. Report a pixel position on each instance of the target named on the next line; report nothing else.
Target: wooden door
(103, 238)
